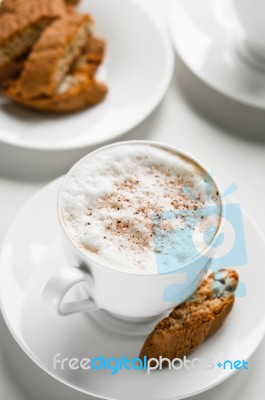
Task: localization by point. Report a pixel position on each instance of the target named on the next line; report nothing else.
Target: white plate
(203, 33)
(32, 252)
(20, 379)
(138, 69)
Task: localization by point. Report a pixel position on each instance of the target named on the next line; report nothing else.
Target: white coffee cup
(250, 16)
(124, 294)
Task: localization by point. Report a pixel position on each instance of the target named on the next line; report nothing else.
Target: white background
(226, 136)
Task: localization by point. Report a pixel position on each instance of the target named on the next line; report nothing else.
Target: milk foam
(123, 205)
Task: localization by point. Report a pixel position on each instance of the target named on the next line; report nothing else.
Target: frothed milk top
(140, 208)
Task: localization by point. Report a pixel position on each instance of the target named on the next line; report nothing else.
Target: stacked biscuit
(49, 56)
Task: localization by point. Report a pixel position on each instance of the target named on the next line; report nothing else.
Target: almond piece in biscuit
(189, 324)
(92, 58)
(22, 22)
(53, 55)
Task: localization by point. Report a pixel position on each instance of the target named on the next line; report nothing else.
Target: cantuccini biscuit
(189, 324)
(53, 55)
(57, 72)
(22, 23)
(79, 88)
(77, 92)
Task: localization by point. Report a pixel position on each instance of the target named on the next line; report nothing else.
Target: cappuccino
(126, 205)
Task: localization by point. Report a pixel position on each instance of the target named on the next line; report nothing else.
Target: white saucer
(203, 33)
(138, 69)
(32, 252)
(20, 379)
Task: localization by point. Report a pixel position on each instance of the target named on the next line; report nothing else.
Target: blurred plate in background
(138, 69)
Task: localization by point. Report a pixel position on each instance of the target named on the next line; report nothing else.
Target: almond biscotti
(21, 25)
(78, 90)
(189, 324)
(53, 55)
(58, 74)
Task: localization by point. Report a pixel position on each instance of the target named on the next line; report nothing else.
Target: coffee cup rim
(162, 146)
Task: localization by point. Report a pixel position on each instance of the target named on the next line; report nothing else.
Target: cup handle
(59, 285)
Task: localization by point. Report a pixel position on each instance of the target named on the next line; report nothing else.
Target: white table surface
(228, 137)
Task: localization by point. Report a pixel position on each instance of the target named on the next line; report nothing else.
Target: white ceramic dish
(21, 379)
(204, 37)
(32, 252)
(138, 69)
